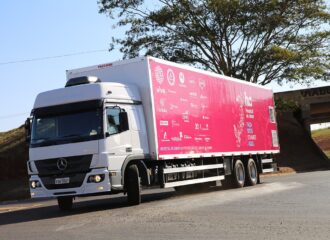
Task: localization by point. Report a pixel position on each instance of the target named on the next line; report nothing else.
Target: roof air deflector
(82, 80)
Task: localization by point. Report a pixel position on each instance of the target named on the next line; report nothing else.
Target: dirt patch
(322, 139)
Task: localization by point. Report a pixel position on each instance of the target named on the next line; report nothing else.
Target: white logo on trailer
(159, 75)
(163, 123)
(170, 77)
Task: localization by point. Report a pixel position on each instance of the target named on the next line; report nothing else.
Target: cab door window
(113, 123)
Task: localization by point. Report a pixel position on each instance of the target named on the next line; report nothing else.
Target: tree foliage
(256, 40)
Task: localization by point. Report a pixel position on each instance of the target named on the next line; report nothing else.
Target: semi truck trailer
(146, 122)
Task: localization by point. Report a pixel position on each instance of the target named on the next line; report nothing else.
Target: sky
(36, 29)
(40, 29)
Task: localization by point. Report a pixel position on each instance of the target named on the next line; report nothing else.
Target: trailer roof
(138, 59)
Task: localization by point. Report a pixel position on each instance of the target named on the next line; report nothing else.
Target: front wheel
(133, 186)
(65, 203)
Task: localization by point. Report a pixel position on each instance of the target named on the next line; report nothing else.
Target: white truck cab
(81, 136)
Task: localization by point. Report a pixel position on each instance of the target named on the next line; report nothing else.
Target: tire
(237, 177)
(252, 174)
(238, 174)
(133, 186)
(65, 203)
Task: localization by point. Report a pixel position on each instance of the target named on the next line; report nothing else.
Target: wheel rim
(253, 171)
(240, 174)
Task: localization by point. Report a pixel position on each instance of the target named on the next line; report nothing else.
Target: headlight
(35, 184)
(96, 178)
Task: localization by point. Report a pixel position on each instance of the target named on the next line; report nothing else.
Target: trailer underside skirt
(193, 181)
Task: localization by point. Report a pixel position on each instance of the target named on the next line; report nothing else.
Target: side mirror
(27, 127)
(123, 120)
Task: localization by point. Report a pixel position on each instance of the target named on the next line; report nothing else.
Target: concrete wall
(313, 102)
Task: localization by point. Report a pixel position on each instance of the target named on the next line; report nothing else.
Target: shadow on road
(81, 207)
(94, 205)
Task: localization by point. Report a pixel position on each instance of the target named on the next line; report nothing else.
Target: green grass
(321, 132)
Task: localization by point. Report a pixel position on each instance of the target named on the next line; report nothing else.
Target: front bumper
(85, 189)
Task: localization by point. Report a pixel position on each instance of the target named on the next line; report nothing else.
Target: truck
(145, 122)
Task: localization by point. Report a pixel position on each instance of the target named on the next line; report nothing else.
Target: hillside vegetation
(13, 172)
(322, 138)
(13, 154)
(11, 139)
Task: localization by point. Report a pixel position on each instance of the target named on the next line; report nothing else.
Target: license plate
(62, 180)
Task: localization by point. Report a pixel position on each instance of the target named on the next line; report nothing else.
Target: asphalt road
(284, 207)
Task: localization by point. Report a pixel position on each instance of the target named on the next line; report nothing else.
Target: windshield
(66, 128)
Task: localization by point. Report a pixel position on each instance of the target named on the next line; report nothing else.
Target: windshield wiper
(41, 139)
(70, 135)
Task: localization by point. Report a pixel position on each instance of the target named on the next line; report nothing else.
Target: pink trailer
(198, 113)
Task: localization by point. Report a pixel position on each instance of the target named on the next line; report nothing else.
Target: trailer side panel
(198, 114)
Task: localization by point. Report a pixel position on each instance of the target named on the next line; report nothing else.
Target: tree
(255, 40)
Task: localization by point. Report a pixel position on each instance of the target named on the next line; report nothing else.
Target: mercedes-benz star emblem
(62, 164)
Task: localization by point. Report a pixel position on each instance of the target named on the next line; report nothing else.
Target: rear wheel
(252, 174)
(238, 174)
(133, 186)
(65, 203)
(237, 177)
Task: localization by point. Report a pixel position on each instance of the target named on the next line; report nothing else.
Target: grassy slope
(322, 138)
(321, 132)
(11, 139)
(13, 172)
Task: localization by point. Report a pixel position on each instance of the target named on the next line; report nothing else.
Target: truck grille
(75, 168)
(76, 164)
(76, 180)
